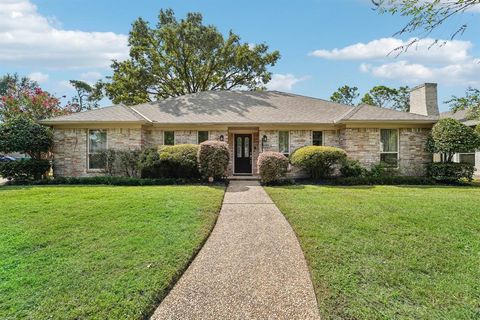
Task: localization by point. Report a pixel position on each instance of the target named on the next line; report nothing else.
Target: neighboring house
(250, 122)
(471, 157)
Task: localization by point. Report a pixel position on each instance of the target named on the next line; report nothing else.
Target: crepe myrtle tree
(22, 96)
(450, 136)
(181, 56)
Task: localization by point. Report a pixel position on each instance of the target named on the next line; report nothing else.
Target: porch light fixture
(221, 137)
(264, 140)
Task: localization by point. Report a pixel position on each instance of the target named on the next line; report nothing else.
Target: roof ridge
(349, 113)
(137, 113)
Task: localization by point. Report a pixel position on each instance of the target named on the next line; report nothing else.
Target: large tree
(184, 56)
(380, 96)
(86, 96)
(346, 95)
(427, 15)
(469, 102)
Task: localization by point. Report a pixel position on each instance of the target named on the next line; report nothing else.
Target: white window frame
(390, 152)
(208, 135)
(323, 136)
(88, 148)
(278, 137)
(173, 137)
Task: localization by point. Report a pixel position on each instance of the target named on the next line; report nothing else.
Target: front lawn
(97, 252)
(389, 252)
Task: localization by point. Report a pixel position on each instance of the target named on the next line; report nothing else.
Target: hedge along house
(250, 122)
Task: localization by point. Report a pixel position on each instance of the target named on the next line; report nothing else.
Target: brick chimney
(423, 100)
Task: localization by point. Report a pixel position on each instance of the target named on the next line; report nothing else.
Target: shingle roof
(460, 115)
(366, 112)
(240, 107)
(118, 113)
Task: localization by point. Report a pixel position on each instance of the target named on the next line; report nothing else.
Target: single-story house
(471, 157)
(250, 122)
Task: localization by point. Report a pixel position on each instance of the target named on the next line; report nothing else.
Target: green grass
(97, 252)
(389, 252)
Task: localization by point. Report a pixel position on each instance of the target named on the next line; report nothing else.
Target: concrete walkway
(251, 267)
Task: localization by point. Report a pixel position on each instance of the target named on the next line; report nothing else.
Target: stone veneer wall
(70, 148)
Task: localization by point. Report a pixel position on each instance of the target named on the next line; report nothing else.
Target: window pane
(247, 147)
(390, 159)
(317, 138)
(283, 142)
(96, 161)
(169, 138)
(467, 158)
(98, 141)
(389, 140)
(239, 147)
(202, 136)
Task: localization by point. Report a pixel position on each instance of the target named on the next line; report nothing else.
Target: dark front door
(243, 154)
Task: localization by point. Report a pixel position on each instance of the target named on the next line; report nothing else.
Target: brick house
(250, 122)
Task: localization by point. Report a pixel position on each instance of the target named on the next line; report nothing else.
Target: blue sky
(324, 43)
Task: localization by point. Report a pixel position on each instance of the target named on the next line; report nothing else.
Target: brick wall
(331, 138)
(186, 137)
(300, 138)
(413, 156)
(362, 144)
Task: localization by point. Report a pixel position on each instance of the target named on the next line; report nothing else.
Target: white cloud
(462, 73)
(445, 51)
(91, 77)
(284, 82)
(446, 62)
(38, 76)
(30, 39)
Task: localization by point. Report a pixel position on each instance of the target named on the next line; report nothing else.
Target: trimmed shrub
(149, 164)
(105, 180)
(352, 168)
(213, 158)
(179, 161)
(382, 180)
(119, 162)
(26, 169)
(272, 166)
(381, 170)
(450, 172)
(319, 161)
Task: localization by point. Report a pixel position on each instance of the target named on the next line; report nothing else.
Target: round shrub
(25, 169)
(213, 158)
(352, 168)
(450, 172)
(319, 161)
(272, 166)
(179, 161)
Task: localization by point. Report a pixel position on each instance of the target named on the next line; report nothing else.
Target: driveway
(251, 267)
